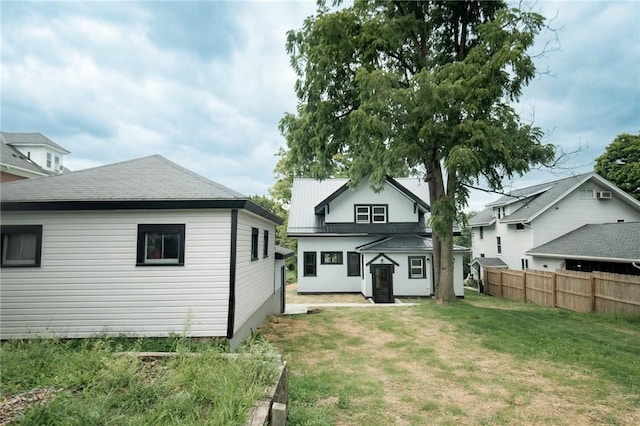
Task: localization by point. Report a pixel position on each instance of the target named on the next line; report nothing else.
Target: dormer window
(371, 214)
(57, 163)
(48, 160)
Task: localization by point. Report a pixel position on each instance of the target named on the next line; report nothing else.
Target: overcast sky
(205, 83)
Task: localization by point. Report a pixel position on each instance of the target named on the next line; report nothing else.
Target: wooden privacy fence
(600, 292)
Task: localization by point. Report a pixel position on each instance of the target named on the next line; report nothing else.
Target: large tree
(415, 87)
(620, 163)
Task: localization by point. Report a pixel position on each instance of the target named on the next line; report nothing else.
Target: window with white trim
(21, 245)
(379, 214)
(362, 214)
(588, 194)
(161, 244)
(499, 245)
(417, 267)
(254, 243)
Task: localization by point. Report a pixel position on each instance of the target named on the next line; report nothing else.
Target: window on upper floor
(371, 213)
(498, 245)
(160, 244)
(56, 163)
(48, 160)
(481, 233)
(588, 194)
(519, 226)
(21, 245)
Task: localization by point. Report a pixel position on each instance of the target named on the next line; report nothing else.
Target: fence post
(485, 275)
(592, 285)
(501, 292)
(524, 286)
(553, 289)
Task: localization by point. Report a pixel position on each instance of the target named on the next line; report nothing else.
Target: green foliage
(396, 88)
(620, 163)
(96, 386)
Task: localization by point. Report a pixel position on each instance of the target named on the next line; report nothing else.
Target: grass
(98, 387)
(483, 360)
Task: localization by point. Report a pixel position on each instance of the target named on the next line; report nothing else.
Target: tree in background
(464, 239)
(397, 88)
(620, 163)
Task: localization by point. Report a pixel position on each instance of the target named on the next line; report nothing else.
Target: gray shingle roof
(404, 243)
(30, 139)
(489, 262)
(307, 193)
(537, 198)
(12, 157)
(143, 179)
(607, 241)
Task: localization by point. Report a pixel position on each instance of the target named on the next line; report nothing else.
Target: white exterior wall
(570, 213)
(400, 208)
(329, 278)
(254, 278)
(89, 283)
(573, 212)
(38, 155)
(402, 284)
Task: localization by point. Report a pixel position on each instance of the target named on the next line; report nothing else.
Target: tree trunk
(433, 196)
(445, 291)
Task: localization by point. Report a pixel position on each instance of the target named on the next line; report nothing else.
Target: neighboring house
(143, 247)
(606, 247)
(29, 155)
(509, 228)
(362, 241)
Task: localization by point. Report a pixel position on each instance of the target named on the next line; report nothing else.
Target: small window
(362, 214)
(481, 254)
(48, 160)
(379, 214)
(309, 263)
(481, 233)
(265, 251)
(161, 245)
(353, 264)
(254, 243)
(525, 264)
(498, 209)
(519, 226)
(588, 194)
(331, 257)
(416, 267)
(57, 162)
(499, 245)
(21, 245)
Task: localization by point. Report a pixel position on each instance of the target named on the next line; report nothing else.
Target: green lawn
(483, 360)
(92, 385)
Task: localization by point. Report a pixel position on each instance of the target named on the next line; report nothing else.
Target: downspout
(232, 273)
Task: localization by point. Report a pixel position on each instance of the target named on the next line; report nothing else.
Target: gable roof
(308, 194)
(149, 182)
(30, 139)
(539, 198)
(612, 242)
(404, 243)
(395, 183)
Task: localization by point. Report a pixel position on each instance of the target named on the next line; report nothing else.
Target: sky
(205, 83)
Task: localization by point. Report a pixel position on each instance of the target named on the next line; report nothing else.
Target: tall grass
(98, 387)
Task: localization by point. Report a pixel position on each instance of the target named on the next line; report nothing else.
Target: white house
(29, 155)
(508, 229)
(143, 247)
(358, 240)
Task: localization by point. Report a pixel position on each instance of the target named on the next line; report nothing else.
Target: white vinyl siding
(88, 281)
(254, 278)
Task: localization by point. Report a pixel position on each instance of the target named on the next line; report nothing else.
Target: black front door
(382, 283)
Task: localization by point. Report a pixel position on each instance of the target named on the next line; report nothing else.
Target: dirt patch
(14, 407)
(293, 296)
